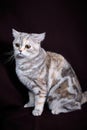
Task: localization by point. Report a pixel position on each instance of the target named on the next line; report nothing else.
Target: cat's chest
(30, 71)
(26, 70)
(31, 80)
(25, 78)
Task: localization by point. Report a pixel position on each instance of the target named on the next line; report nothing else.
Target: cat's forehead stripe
(24, 38)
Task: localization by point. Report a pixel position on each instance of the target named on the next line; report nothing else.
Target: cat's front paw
(36, 112)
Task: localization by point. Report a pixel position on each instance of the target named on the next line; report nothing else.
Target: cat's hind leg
(63, 106)
(56, 107)
(31, 102)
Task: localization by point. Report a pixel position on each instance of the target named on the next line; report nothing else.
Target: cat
(48, 76)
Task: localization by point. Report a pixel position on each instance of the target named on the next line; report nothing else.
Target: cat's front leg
(31, 102)
(39, 104)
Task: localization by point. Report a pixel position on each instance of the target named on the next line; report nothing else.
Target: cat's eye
(27, 46)
(17, 45)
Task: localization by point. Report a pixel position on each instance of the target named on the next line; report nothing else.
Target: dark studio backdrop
(65, 24)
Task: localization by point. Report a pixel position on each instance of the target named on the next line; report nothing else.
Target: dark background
(65, 24)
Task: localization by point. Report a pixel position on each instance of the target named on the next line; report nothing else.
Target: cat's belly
(54, 77)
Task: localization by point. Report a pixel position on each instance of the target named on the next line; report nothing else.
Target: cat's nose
(20, 50)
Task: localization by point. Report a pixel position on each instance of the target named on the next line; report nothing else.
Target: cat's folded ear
(15, 33)
(38, 37)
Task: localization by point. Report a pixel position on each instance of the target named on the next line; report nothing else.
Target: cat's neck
(38, 59)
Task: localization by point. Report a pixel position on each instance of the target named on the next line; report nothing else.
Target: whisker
(10, 59)
(9, 56)
(8, 53)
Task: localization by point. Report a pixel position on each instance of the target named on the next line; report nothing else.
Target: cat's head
(26, 45)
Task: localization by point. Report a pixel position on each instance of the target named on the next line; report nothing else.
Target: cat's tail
(84, 97)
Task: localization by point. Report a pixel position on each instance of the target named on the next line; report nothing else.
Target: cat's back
(54, 56)
(55, 59)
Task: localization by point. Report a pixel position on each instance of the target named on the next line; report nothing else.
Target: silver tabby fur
(48, 76)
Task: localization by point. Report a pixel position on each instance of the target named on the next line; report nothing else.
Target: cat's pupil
(27, 46)
(17, 45)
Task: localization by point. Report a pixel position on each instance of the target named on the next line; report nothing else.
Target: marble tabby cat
(47, 75)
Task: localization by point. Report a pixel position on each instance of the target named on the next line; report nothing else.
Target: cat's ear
(38, 37)
(15, 33)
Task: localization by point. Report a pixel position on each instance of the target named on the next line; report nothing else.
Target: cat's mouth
(20, 55)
